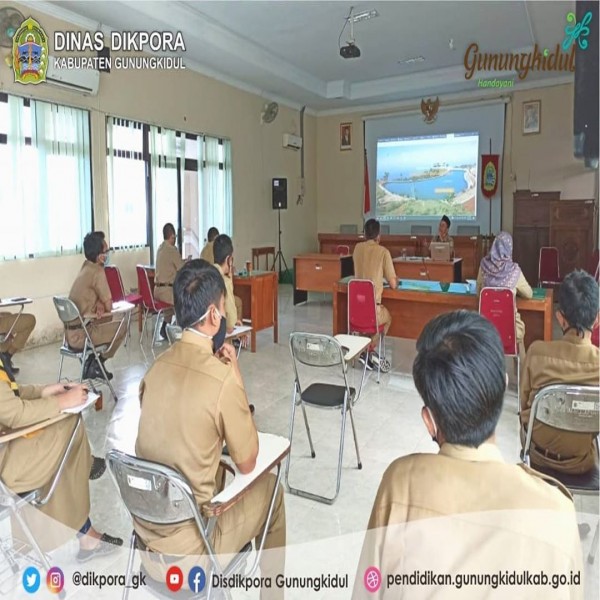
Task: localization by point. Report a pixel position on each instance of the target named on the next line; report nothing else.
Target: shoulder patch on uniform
(548, 479)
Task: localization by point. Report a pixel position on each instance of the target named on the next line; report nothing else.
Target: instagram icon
(55, 580)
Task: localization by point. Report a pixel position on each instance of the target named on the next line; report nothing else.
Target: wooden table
(258, 293)
(318, 273)
(265, 251)
(411, 310)
(428, 269)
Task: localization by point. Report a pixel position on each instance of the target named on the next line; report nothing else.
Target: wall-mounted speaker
(279, 193)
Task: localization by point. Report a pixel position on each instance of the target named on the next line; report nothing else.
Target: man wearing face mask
(223, 250)
(192, 401)
(573, 359)
(91, 295)
(463, 509)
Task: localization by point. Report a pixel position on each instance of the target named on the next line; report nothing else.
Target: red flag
(489, 174)
(367, 204)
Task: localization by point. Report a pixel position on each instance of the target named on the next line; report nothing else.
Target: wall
(191, 102)
(540, 162)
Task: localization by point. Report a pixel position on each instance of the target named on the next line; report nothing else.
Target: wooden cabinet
(572, 224)
(531, 229)
(318, 273)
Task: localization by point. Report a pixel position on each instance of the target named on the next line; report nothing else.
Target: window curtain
(45, 195)
(164, 177)
(214, 185)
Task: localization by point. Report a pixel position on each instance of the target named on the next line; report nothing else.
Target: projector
(350, 50)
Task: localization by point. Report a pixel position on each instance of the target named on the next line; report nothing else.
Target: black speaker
(585, 113)
(279, 193)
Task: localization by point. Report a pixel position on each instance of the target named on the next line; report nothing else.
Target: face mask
(434, 436)
(219, 337)
(107, 258)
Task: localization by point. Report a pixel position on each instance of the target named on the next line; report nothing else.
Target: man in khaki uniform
(571, 360)
(443, 234)
(30, 462)
(91, 295)
(374, 262)
(192, 401)
(464, 510)
(25, 323)
(223, 251)
(168, 262)
(207, 252)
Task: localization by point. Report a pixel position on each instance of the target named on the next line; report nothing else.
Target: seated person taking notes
(207, 252)
(192, 401)
(573, 359)
(91, 295)
(463, 509)
(374, 262)
(30, 462)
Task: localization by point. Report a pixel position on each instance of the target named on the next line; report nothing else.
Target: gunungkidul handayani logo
(30, 52)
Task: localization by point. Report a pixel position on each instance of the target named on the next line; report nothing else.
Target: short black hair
(197, 285)
(168, 231)
(578, 300)
(222, 248)
(93, 245)
(213, 232)
(446, 220)
(372, 229)
(460, 374)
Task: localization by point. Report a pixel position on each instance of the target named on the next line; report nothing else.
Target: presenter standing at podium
(444, 234)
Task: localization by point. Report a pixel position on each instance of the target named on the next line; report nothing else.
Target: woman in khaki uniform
(497, 269)
(30, 462)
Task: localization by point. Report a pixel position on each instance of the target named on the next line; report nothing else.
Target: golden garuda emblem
(429, 108)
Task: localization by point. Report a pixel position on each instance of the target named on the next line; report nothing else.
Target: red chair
(499, 306)
(548, 270)
(596, 336)
(117, 291)
(151, 306)
(362, 315)
(342, 249)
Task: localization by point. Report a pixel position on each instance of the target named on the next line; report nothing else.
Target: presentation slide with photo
(427, 176)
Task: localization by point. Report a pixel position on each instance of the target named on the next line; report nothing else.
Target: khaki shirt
(191, 403)
(208, 252)
(374, 262)
(464, 510)
(168, 262)
(230, 308)
(573, 360)
(90, 288)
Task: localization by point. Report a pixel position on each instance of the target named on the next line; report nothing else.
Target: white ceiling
(289, 50)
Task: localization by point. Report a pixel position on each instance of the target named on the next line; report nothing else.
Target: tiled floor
(388, 425)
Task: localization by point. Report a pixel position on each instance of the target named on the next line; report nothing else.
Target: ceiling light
(364, 16)
(412, 60)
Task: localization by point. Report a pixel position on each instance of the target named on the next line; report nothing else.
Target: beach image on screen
(427, 176)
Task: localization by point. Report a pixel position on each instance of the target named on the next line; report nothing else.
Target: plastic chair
(362, 315)
(151, 306)
(572, 408)
(342, 249)
(317, 350)
(161, 495)
(67, 313)
(117, 291)
(498, 305)
(24, 552)
(548, 269)
(594, 265)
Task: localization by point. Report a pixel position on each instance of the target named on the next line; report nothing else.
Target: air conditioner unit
(292, 141)
(85, 81)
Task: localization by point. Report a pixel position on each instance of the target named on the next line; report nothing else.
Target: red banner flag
(367, 203)
(489, 174)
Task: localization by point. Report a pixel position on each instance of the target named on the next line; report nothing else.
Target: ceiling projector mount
(350, 49)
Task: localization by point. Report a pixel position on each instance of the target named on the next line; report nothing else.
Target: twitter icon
(31, 580)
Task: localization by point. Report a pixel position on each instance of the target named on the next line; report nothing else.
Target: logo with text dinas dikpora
(30, 52)
(561, 58)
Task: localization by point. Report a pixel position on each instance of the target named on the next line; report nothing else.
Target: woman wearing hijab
(497, 269)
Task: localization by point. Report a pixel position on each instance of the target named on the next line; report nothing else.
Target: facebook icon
(196, 579)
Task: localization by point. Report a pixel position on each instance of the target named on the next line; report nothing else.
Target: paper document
(75, 410)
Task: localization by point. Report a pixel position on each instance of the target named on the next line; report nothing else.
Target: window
(45, 170)
(157, 176)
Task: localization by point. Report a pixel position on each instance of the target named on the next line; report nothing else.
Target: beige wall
(539, 162)
(191, 102)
